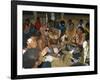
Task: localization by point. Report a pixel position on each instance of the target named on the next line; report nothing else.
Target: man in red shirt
(38, 23)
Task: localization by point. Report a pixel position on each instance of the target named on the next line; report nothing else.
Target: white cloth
(86, 50)
(29, 40)
(63, 37)
(48, 58)
(81, 25)
(24, 51)
(56, 50)
(71, 52)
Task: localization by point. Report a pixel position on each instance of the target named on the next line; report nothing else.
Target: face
(71, 27)
(70, 21)
(79, 31)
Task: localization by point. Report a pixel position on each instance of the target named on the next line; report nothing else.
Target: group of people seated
(61, 45)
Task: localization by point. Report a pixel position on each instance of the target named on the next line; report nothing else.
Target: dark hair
(27, 20)
(87, 36)
(87, 25)
(62, 22)
(38, 18)
(81, 28)
(81, 20)
(70, 20)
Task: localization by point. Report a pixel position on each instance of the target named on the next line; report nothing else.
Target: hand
(44, 51)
